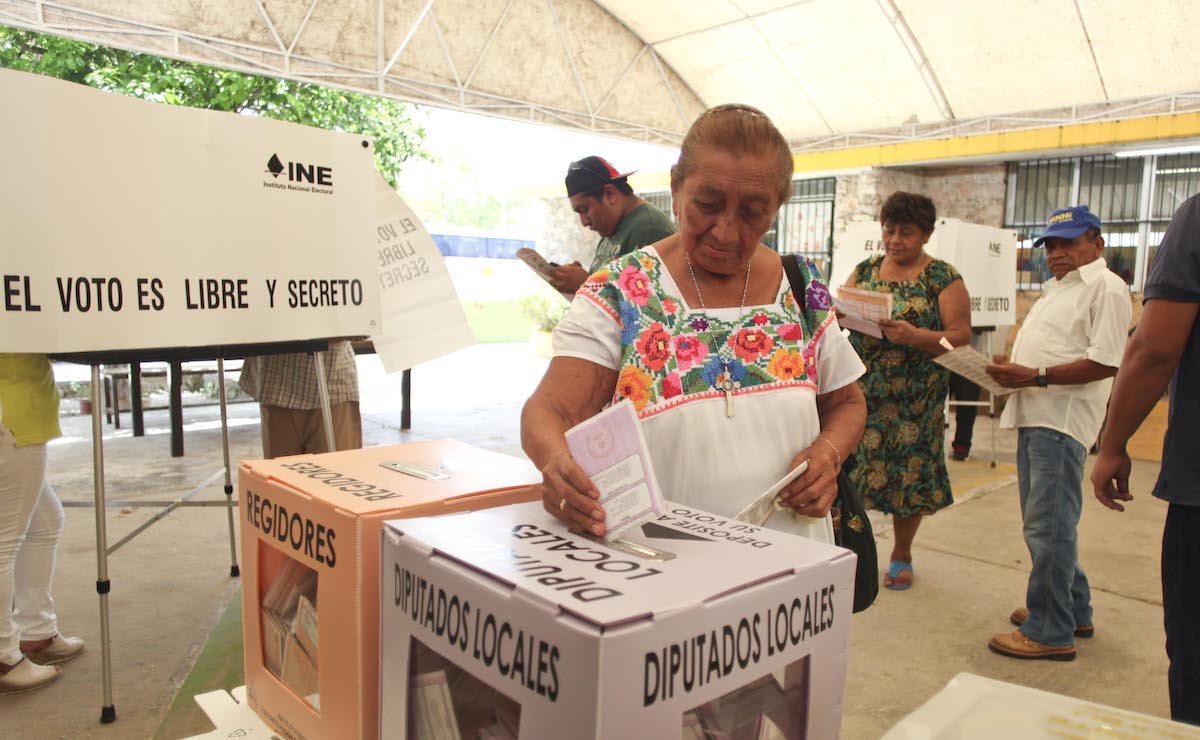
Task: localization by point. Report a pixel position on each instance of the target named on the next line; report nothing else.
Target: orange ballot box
(311, 548)
(504, 624)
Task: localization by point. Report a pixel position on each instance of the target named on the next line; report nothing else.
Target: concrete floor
(171, 583)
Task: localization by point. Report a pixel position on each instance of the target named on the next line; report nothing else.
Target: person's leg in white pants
(31, 520)
(33, 606)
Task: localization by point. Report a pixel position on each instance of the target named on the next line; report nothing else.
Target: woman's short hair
(909, 208)
(737, 129)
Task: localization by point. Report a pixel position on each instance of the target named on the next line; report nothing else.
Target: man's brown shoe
(1017, 645)
(1019, 616)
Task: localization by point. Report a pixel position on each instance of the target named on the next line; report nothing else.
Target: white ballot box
(504, 624)
(985, 709)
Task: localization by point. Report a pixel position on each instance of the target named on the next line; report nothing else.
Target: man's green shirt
(641, 226)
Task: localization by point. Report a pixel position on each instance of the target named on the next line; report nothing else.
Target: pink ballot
(612, 451)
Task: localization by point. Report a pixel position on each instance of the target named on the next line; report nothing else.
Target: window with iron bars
(1134, 197)
(803, 226)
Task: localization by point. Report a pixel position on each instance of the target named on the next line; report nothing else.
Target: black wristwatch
(1042, 379)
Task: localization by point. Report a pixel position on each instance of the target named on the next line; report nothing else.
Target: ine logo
(994, 249)
(299, 172)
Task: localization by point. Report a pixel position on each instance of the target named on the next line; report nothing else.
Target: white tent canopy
(823, 69)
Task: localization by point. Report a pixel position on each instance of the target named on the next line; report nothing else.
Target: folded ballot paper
(612, 451)
(761, 710)
(290, 629)
(447, 703)
(761, 508)
(972, 365)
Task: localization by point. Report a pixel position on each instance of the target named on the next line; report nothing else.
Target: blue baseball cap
(1068, 223)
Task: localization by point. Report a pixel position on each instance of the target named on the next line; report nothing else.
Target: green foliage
(398, 136)
(544, 308)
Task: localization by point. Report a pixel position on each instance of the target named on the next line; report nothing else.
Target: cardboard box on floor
(311, 529)
(504, 624)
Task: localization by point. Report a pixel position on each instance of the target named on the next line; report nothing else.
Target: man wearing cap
(1165, 352)
(606, 205)
(1063, 361)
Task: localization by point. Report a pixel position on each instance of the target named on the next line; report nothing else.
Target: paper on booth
(422, 316)
(610, 448)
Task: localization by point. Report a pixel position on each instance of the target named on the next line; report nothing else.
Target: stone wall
(972, 194)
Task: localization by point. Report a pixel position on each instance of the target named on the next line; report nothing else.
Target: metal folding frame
(108, 712)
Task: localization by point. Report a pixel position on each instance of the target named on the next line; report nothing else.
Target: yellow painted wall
(1102, 133)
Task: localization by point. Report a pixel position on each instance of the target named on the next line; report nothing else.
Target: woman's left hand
(813, 493)
(898, 331)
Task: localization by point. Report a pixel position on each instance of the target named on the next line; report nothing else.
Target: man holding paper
(1065, 354)
(605, 203)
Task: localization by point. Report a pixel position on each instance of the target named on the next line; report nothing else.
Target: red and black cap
(592, 173)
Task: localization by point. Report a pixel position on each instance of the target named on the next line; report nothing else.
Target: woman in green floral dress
(901, 465)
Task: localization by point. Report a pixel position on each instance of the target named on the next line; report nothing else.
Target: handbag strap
(798, 277)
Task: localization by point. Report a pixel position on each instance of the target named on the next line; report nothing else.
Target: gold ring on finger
(562, 505)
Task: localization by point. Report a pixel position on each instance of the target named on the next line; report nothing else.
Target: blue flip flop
(895, 568)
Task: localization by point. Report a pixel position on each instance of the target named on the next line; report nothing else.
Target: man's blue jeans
(1050, 478)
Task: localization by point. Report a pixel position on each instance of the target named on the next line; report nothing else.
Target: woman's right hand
(568, 494)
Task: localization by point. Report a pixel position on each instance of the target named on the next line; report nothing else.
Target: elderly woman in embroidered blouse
(734, 383)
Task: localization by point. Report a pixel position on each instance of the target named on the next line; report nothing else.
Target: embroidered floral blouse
(673, 363)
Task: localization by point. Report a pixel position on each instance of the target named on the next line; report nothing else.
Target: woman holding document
(902, 467)
(733, 382)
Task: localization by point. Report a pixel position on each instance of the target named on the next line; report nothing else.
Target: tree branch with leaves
(395, 126)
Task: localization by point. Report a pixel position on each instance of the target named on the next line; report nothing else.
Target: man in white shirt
(1066, 355)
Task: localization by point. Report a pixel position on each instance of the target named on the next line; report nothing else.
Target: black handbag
(851, 527)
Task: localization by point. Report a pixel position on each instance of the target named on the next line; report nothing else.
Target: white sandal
(27, 676)
(60, 650)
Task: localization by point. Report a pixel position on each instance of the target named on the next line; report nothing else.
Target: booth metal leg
(993, 409)
(406, 399)
(135, 399)
(323, 389)
(234, 571)
(992, 404)
(176, 409)
(108, 712)
(113, 411)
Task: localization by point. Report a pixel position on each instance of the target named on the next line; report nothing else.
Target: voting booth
(137, 231)
(310, 545)
(505, 624)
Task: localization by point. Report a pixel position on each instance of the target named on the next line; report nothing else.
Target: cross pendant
(727, 386)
